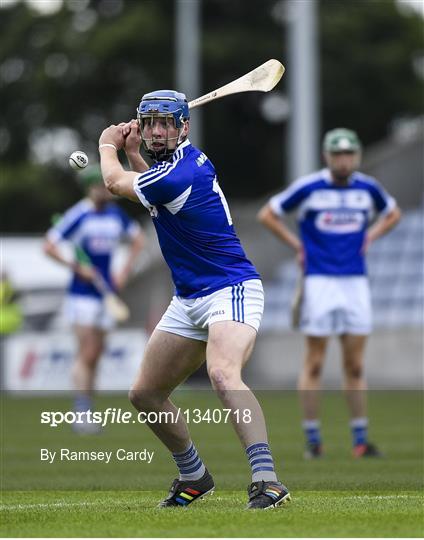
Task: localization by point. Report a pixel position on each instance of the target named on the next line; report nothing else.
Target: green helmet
(90, 176)
(341, 140)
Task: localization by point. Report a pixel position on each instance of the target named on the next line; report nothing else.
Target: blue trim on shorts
(238, 302)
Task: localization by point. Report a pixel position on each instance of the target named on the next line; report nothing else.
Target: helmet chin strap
(181, 138)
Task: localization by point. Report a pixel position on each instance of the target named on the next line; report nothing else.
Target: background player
(218, 303)
(334, 208)
(94, 226)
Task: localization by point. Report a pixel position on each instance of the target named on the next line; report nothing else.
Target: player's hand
(85, 272)
(120, 280)
(366, 245)
(300, 257)
(131, 132)
(113, 135)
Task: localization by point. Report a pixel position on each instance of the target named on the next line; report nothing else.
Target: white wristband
(107, 144)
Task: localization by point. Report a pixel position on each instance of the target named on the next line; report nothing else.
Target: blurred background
(69, 68)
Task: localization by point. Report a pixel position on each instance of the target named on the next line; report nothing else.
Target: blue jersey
(98, 233)
(193, 223)
(333, 219)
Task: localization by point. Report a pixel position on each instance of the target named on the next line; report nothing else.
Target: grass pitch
(332, 497)
(133, 514)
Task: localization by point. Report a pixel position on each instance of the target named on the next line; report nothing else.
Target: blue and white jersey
(98, 233)
(333, 219)
(193, 223)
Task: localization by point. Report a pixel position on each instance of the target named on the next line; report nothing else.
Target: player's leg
(309, 386)
(353, 347)
(90, 347)
(356, 326)
(319, 306)
(229, 347)
(168, 360)
(86, 316)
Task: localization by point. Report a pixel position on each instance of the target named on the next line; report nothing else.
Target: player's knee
(90, 354)
(133, 396)
(141, 399)
(93, 358)
(88, 360)
(354, 371)
(148, 400)
(314, 370)
(222, 378)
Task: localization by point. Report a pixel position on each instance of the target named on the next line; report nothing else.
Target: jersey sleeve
(68, 224)
(163, 183)
(290, 198)
(383, 201)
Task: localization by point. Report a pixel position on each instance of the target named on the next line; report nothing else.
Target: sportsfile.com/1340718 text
(113, 415)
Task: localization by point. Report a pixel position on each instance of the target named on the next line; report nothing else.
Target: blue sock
(189, 464)
(359, 428)
(261, 462)
(83, 403)
(312, 430)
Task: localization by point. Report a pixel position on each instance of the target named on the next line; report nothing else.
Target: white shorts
(87, 311)
(191, 317)
(336, 305)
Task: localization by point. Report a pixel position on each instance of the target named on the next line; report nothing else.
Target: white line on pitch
(373, 497)
(82, 504)
(46, 505)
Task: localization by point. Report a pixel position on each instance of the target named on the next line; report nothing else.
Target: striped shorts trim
(238, 302)
(191, 317)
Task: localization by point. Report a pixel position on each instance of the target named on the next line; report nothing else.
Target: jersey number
(218, 190)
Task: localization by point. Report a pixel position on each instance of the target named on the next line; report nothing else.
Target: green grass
(333, 497)
(133, 514)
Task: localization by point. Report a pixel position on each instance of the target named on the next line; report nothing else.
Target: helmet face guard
(162, 104)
